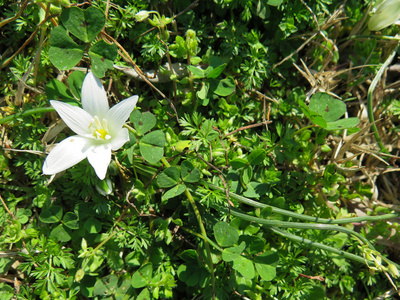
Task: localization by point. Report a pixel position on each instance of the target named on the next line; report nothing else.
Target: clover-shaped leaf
(84, 24)
(152, 146)
(64, 53)
(102, 56)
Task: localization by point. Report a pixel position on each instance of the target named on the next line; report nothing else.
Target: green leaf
(232, 253)
(51, 215)
(225, 234)
(152, 146)
(175, 191)
(238, 163)
(343, 124)
(169, 177)
(244, 266)
(75, 81)
(223, 87)
(60, 234)
(189, 173)
(189, 274)
(56, 90)
(71, 220)
(202, 94)
(266, 264)
(213, 73)
(266, 272)
(325, 105)
(256, 157)
(143, 122)
(106, 286)
(102, 55)
(93, 225)
(114, 260)
(274, 2)
(197, 72)
(144, 295)
(84, 24)
(23, 215)
(64, 53)
(142, 277)
(255, 189)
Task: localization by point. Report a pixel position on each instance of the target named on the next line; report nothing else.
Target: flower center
(99, 129)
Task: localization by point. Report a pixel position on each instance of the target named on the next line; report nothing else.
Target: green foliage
(237, 161)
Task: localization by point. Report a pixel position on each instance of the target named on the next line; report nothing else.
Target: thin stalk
(321, 246)
(202, 229)
(370, 98)
(29, 112)
(284, 212)
(298, 225)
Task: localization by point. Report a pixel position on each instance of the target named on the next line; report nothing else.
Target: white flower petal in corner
(99, 130)
(66, 154)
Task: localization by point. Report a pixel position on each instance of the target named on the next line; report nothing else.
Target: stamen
(99, 129)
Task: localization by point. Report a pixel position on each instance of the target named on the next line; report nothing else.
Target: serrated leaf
(64, 53)
(168, 178)
(84, 24)
(230, 254)
(225, 234)
(51, 215)
(189, 173)
(174, 192)
(152, 146)
(102, 56)
(142, 277)
(143, 122)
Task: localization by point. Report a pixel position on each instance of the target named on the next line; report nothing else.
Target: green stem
(284, 212)
(321, 246)
(297, 225)
(29, 112)
(203, 231)
(370, 98)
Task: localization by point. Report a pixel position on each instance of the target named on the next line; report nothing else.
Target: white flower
(99, 129)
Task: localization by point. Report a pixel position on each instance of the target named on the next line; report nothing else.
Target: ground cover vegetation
(262, 160)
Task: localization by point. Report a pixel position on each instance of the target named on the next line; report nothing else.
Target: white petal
(99, 157)
(119, 113)
(120, 139)
(66, 154)
(94, 97)
(75, 117)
